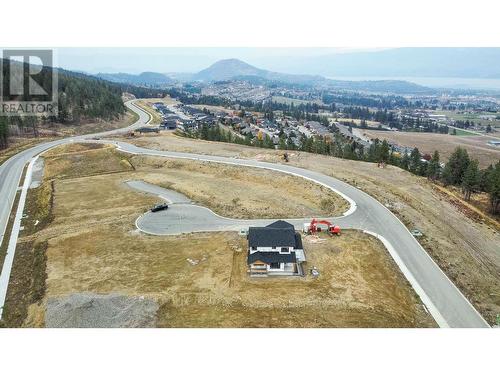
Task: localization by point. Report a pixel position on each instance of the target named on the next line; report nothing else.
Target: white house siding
(270, 249)
(276, 270)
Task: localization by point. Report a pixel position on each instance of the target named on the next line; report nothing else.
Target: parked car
(159, 207)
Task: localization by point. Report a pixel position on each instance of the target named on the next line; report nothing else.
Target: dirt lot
(76, 160)
(89, 244)
(227, 191)
(427, 143)
(464, 245)
(223, 188)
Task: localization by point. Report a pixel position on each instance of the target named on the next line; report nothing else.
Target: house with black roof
(147, 130)
(275, 250)
(168, 124)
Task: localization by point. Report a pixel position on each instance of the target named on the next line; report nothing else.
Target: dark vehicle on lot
(159, 207)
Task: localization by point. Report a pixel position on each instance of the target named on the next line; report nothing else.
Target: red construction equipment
(313, 228)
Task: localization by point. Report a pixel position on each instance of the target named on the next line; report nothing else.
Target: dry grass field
(242, 193)
(369, 123)
(476, 146)
(87, 242)
(222, 188)
(359, 286)
(463, 243)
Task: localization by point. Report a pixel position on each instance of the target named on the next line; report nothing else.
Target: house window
(285, 250)
(254, 248)
(274, 247)
(275, 266)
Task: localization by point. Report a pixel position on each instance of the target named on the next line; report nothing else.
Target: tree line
(81, 98)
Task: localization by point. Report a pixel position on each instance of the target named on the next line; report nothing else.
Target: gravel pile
(37, 174)
(88, 310)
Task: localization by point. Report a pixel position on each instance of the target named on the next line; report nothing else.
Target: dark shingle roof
(269, 237)
(298, 241)
(278, 234)
(271, 257)
(280, 224)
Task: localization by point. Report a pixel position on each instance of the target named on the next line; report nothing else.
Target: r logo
(28, 82)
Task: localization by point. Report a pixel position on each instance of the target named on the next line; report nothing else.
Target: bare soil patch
(88, 310)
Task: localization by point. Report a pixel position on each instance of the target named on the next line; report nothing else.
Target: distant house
(275, 250)
(494, 143)
(148, 130)
(245, 130)
(187, 123)
(168, 125)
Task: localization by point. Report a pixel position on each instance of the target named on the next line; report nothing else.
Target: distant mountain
(234, 69)
(407, 62)
(146, 78)
(227, 69)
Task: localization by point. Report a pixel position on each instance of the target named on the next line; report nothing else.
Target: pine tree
(471, 179)
(405, 161)
(493, 188)
(415, 161)
(485, 175)
(455, 168)
(434, 168)
(4, 133)
(383, 152)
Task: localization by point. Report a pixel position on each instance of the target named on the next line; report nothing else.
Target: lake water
(438, 82)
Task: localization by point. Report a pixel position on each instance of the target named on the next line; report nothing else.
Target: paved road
(170, 196)
(183, 216)
(444, 301)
